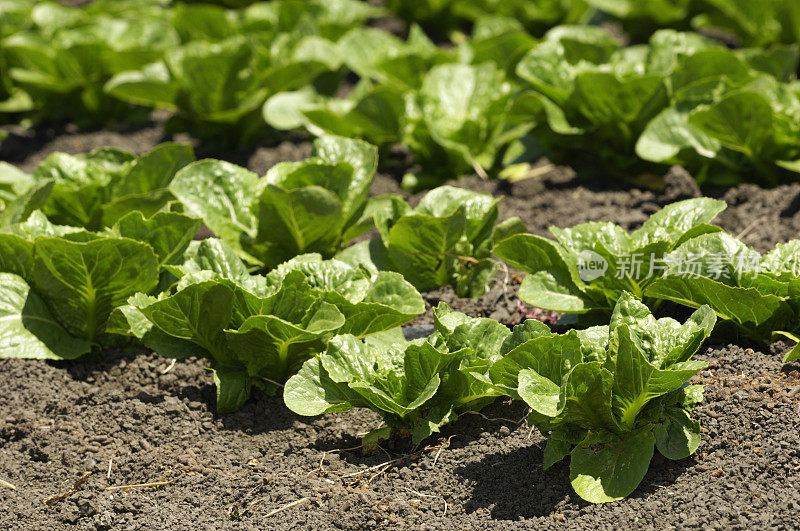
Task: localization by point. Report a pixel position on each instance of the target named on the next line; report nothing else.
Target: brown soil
(127, 421)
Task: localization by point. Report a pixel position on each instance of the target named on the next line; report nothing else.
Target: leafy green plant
(455, 117)
(757, 294)
(214, 65)
(681, 99)
(768, 22)
(317, 205)
(592, 96)
(731, 114)
(66, 54)
(608, 396)
(588, 266)
(374, 109)
(416, 387)
(462, 116)
(329, 19)
(96, 189)
(446, 240)
(750, 23)
(451, 15)
(218, 87)
(58, 285)
(258, 331)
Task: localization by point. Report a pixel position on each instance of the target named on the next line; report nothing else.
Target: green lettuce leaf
(315, 206)
(588, 266)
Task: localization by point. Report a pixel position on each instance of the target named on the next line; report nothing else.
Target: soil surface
(74, 433)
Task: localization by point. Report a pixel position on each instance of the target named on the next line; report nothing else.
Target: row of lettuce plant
(213, 66)
(740, 21)
(600, 395)
(577, 96)
(737, 21)
(324, 325)
(490, 104)
(606, 396)
(319, 205)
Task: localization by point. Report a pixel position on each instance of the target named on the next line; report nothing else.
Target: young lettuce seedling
(588, 266)
(314, 206)
(608, 395)
(58, 285)
(257, 331)
(446, 240)
(417, 387)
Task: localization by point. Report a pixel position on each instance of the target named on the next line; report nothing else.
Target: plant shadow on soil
(513, 485)
(89, 367)
(460, 434)
(99, 370)
(251, 418)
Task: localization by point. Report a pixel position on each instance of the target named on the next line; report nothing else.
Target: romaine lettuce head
(607, 396)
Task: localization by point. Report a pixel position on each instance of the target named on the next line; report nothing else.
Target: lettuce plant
(210, 63)
(277, 19)
(680, 99)
(66, 54)
(317, 205)
(220, 86)
(772, 21)
(455, 117)
(609, 395)
(757, 294)
(592, 97)
(258, 331)
(374, 110)
(588, 266)
(462, 117)
(446, 240)
(732, 113)
(59, 284)
(416, 387)
(97, 189)
(448, 15)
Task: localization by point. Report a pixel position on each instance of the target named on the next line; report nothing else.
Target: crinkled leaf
(547, 356)
(27, 327)
(168, 233)
(220, 194)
